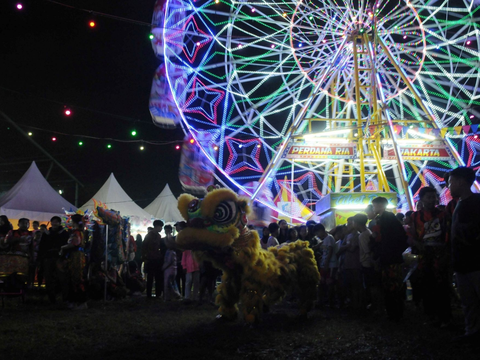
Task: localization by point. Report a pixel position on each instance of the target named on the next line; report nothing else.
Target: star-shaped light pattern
(190, 39)
(473, 145)
(304, 187)
(243, 155)
(203, 100)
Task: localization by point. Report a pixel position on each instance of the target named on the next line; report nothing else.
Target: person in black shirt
(465, 239)
(389, 243)
(48, 254)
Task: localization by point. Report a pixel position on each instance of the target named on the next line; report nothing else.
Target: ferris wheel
(308, 98)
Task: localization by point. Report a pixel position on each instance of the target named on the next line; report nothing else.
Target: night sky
(51, 58)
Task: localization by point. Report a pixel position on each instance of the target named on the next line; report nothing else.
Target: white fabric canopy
(165, 207)
(32, 197)
(115, 198)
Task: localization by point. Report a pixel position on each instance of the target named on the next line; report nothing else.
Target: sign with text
(417, 152)
(323, 151)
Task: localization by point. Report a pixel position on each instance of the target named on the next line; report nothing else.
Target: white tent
(32, 197)
(165, 207)
(115, 198)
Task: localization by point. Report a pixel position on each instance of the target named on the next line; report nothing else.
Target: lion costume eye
(225, 212)
(193, 205)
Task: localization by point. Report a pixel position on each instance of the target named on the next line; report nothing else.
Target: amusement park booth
(335, 208)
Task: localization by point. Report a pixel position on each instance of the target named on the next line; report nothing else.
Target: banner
(196, 170)
(417, 152)
(323, 151)
(162, 105)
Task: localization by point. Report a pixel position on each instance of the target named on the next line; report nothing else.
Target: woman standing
(74, 253)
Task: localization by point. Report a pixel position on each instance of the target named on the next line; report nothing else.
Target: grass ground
(135, 328)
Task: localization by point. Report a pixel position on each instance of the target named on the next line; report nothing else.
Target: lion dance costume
(216, 231)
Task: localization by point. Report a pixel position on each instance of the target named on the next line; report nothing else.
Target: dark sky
(50, 58)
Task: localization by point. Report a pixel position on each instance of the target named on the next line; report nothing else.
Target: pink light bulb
(469, 42)
(19, 6)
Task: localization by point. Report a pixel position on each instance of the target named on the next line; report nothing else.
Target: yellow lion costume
(216, 231)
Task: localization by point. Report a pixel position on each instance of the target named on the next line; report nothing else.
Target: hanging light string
(151, 142)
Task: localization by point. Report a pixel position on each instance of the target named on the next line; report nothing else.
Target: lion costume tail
(301, 271)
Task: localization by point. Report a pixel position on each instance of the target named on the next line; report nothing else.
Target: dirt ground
(136, 328)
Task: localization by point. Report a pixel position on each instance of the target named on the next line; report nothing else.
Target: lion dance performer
(216, 231)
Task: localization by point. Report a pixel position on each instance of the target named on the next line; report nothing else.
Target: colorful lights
(54, 139)
(109, 146)
(250, 90)
(80, 143)
(142, 148)
(67, 112)
(191, 141)
(177, 147)
(151, 36)
(92, 24)
(30, 133)
(19, 6)
(133, 133)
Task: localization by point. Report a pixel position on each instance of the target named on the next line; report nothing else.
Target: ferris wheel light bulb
(272, 46)
(284, 14)
(472, 116)
(198, 43)
(19, 6)
(217, 1)
(253, 10)
(469, 42)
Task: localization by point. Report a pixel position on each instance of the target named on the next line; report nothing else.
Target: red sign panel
(418, 152)
(326, 151)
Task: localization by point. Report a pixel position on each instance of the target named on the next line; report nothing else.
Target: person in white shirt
(371, 277)
(328, 264)
(274, 230)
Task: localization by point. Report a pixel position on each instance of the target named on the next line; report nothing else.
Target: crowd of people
(362, 263)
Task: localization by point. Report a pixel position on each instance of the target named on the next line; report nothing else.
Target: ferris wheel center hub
(322, 34)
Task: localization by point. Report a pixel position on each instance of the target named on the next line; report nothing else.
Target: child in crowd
(170, 291)
(193, 275)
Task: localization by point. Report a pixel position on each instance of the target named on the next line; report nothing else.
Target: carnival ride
(309, 98)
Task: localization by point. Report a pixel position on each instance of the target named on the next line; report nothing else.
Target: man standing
(153, 253)
(351, 265)
(389, 243)
(328, 265)
(48, 254)
(465, 237)
(181, 274)
(428, 234)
